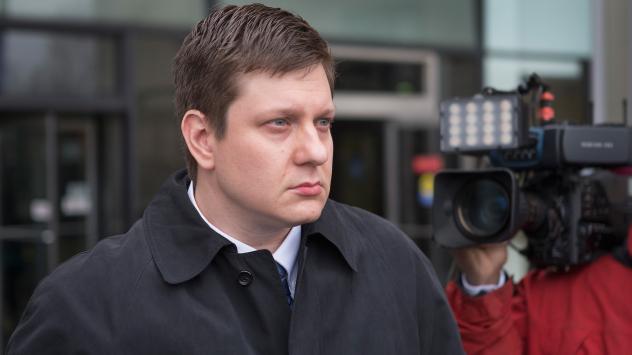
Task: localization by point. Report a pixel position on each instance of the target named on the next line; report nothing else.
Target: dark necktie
(284, 283)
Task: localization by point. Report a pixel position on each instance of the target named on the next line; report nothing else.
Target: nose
(312, 146)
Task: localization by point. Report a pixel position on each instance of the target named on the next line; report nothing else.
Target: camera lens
(482, 208)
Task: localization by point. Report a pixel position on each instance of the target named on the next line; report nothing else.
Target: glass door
(48, 200)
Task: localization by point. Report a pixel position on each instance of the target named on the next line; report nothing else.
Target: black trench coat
(170, 285)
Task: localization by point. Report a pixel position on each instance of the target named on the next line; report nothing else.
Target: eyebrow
(294, 111)
(330, 111)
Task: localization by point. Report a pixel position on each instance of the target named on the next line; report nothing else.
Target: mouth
(308, 189)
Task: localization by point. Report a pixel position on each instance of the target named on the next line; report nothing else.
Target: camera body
(552, 181)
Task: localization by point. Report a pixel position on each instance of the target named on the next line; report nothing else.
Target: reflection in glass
(38, 63)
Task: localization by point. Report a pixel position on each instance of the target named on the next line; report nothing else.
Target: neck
(236, 222)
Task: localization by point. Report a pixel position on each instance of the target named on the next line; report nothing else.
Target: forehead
(304, 87)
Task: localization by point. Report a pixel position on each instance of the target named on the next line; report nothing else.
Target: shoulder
(390, 260)
(113, 260)
(113, 264)
(377, 237)
(73, 304)
(365, 223)
(372, 229)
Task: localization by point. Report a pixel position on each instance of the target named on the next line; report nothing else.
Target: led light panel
(481, 123)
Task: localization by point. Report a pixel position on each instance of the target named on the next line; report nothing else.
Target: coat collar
(335, 228)
(182, 245)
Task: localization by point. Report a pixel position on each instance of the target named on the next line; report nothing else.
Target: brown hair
(240, 39)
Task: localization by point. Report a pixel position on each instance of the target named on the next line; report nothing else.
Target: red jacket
(585, 311)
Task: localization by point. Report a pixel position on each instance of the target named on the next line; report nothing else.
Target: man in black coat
(243, 253)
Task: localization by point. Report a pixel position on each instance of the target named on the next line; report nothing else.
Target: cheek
(330, 161)
(259, 162)
(328, 171)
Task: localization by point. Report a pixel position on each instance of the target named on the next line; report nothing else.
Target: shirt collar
(241, 247)
(285, 254)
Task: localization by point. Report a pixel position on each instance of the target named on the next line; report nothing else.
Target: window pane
(163, 12)
(550, 26)
(431, 22)
(507, 73)
(38, 63)
(23, 171)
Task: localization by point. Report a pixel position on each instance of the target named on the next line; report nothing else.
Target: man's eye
(324, 122)
(280, 122)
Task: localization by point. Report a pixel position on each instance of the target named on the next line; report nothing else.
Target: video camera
(539, 181)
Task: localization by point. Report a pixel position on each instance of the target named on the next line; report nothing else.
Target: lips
(308, 189)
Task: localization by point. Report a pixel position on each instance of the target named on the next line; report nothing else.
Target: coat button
(244, 278)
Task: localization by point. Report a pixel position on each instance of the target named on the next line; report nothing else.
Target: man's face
(273, 166)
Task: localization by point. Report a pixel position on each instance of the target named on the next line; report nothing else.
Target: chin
(307, 212)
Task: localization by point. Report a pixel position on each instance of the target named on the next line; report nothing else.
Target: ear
(199, 138)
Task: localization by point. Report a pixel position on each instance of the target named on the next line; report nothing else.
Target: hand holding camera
(481, 264)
